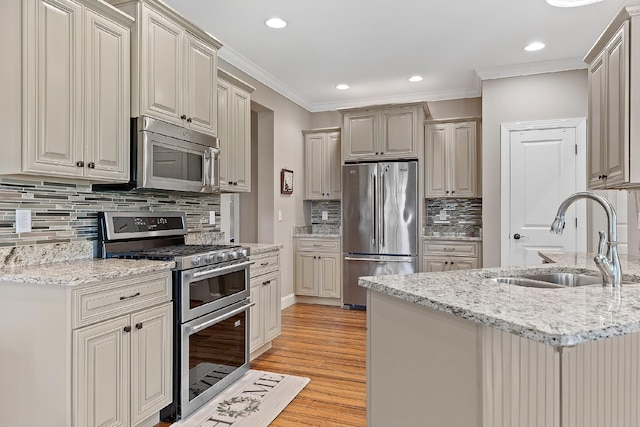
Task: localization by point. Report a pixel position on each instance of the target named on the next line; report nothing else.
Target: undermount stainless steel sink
(551, 280)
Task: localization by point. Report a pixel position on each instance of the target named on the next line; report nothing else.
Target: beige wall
(326, 119)
(289, 119)
(539, 97)
(455, 108)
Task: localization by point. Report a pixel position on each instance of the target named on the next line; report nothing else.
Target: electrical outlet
(23, 220)
(325, 215)
(212, 217)
(279, 215)
(443, 215)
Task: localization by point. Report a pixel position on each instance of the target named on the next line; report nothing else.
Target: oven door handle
(195, 329)
(222, 270)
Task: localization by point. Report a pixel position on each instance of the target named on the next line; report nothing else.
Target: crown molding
(541, 67)
(229, 55)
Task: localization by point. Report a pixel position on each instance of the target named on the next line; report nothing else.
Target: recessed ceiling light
(414, 79)
(532, 47)
(342, 86)
(275, 23)
(571, 3)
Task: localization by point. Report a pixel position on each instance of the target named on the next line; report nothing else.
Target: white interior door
(542, 172)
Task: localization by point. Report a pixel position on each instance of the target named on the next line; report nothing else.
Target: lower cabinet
(318, 268)
(96, 354)
(443, 255)
(123, 369)
(265, 315)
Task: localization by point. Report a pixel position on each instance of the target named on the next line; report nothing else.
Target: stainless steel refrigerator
(379, 223)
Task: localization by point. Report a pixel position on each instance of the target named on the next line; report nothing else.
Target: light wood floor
(327, 345)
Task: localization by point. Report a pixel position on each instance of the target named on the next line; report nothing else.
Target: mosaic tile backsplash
(461, 216)
(333, 209)
(67, 212)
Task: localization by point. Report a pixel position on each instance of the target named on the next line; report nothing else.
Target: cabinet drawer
(264, 263)
(114, 298)
(327, 245)
(469, 249)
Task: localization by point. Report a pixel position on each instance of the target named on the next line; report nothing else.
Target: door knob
(519, 236)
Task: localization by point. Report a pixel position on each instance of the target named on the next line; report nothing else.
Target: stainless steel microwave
(169, 157)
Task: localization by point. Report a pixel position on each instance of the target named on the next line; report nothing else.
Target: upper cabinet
(234, 131)
(174, 67)
(613, 155)
(451, 160)
(74, 67)
(322, 170)
(383, 132)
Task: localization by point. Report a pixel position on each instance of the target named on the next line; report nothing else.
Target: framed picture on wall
(286, 181)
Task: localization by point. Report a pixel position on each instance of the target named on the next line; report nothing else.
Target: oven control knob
(233, 255)
(243, 253)
(210, 258)
(195, 261)
(223, 256)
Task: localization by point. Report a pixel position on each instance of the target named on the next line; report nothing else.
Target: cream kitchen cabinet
(74, 67)
(452, 255)
(265, 293)
(322, 166)
(382, 133)
(174, 67)
(234, 131)
(98, 353)
(451, 160)
(318, 267)
(613, 140)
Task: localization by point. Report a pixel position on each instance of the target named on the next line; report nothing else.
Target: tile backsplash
(67, 212)
(333, 209)
(463, 216)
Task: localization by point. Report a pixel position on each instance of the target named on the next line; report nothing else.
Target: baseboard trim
(319, 300)
(287, 301)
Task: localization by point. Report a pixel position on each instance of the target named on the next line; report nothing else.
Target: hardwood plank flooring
(328, 345)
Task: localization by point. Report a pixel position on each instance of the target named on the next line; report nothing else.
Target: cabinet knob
(79, 163)
(452, 263)
(377, 153)
(453, 191)
(267, 282)
(183, 117)
(139, 325)
(604, 176)
(127, 328)
(91, 165)
(446, 262)
(189, 120)
(447, 192)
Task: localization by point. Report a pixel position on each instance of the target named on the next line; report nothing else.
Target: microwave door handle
(213, 167)
(205, 325)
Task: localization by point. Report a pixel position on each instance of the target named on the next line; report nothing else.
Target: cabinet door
(463, 263)
(306, 283)
(241, 137)
(151, 361)
(436, 160)
(432, 264)
(617, 90)
(256, 314)
(597, 122)
(399, 133)
(330, 274)
(224, 133)
(101, 368)
(53, 140)
(332, 167)
(360, 134)
(272, 307)
(463, 160)
(107, 99)
(314, 172)
(201, 75)
(161, 80)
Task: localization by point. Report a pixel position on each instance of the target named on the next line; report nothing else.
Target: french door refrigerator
(379, 223)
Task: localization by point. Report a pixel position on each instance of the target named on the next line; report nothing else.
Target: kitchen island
(457, 349)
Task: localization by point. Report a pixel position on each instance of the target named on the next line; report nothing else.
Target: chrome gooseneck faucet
(607, 259)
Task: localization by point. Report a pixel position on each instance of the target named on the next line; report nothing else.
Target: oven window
(177, 164)
(205, 291)
(216, 352)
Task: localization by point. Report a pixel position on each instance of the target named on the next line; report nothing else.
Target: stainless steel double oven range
(211, 301)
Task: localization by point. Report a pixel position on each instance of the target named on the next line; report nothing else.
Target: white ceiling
(374, 45)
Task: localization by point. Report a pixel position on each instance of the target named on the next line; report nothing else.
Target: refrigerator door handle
(382, 204)
(377, 260)
(373, 210)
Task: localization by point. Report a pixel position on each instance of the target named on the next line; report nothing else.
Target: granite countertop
(558, 317)
(453, 238)
(80, 272)
(260, 248)
(318, 235)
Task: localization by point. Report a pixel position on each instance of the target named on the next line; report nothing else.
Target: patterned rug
(254, 400)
